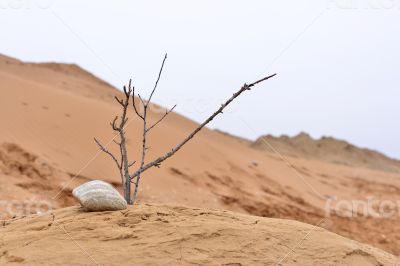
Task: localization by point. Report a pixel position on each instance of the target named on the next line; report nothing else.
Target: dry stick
(144, 148)
(124, 165)
(145, 129)
(158, 78)
(157, 162)
(134, 107)
(162, 118)
(127, 185)
(133, 100)
(112, 156)
(144, 141)
(108, 152)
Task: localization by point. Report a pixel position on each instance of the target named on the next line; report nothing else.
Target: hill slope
(170, 235)
(50, 113)
(328, 149)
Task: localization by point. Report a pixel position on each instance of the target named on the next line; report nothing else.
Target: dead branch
(109, 153)
(146, 129)
(119, 123)
(135, 108)
(123, 165)
(158, 78)
(162, 118)
(158, 161)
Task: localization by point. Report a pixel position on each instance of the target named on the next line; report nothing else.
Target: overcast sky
(338, 62)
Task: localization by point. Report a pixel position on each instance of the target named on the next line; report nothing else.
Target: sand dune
(51, 112)
(170, 235)
(328, 149)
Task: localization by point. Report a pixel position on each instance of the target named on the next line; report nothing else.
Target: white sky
(338, 61)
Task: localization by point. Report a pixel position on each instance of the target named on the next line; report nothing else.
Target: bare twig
(146, 129)
(113, 124)
(162, 118)
(123, 165)
(135, 108)
(133, 100)
(158, 161)
(158, 79)
(108, 152)
(141, 100)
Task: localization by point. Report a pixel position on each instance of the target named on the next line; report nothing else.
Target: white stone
(99, 196)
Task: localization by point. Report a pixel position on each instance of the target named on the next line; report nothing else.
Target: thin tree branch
(133, 100)
(113, 124)
(121, 102)
(129, 90)
(123, 165)
(161, 159)
(142, 101)
(162, 118)
(158, 79)
(144, 149)
(108, 152)
(260, 80)
(124, 153)
(136, 110)
(145, 129)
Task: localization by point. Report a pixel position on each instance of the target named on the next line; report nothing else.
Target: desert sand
(176, 235)
(51, 112)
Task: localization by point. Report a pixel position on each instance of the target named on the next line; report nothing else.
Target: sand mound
(170, 235)
(327, 149)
